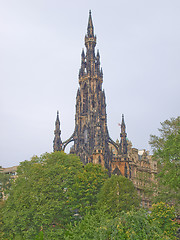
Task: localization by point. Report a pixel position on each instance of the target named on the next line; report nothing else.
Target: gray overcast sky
(40, 47)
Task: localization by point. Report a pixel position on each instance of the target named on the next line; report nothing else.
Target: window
(85, 136)
(85, 99)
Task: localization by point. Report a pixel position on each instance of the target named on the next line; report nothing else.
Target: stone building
(11, 173)
(92, 142)
(144, 170)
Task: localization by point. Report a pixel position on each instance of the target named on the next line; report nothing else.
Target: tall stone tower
(91, 134)
(92, 142)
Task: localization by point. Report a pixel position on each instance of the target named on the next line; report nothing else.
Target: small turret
(98, 63)
(123, 126)
(78, 93)
(98, 56)
(83, 55)
(123, 142)
(57, 143)
(83, 64)
(101, 72)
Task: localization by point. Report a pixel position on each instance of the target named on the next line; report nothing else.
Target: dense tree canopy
(164, 216)
(87, 184)
(168, 127)
(166, 150)
(42, 197)
(118, 193)
(56, 197)
(129, 225)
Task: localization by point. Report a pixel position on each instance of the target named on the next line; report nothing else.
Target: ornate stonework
(91, 138)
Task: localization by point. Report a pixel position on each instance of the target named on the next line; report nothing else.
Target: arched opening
(117, 171)
(85, 136)
(85, 98)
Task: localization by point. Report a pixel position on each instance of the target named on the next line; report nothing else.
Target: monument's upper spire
(57, 119)
(90, 28)
(90, 39)
(90, 62)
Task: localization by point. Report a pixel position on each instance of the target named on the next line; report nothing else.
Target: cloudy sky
(40, 47)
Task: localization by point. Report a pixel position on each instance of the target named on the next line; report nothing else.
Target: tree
(87, 184)
(166, 150)
(1, 216)
(5, 183)
(42, 197)
(117, 194)
(168, 127)
(127, 225)
(163, 216)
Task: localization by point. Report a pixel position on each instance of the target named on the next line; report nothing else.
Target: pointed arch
(117, 171)
(99, 160)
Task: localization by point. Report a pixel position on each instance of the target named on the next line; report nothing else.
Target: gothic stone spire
(57, 143)
(90, 28)
(123, 143)
(91, 134)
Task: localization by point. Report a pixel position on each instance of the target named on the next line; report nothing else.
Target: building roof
(9, 169)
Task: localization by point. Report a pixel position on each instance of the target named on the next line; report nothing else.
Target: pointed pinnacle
(98, 55)
(57, 119)
(123, 123)
(82, 54)
(90, 28)
(101, 71)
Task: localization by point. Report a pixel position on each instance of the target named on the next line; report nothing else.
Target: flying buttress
(65, 143)
(113, 143)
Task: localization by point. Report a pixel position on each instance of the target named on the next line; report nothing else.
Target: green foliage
(128, 225)
(168, 127)
(1, 216)
(87, 184)
(56, 197)
(169, 156)
(40, 236)
(166, 149)
(88, 227)
(118, 194)
(163, 215)
(5, 183)
(43, 197)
